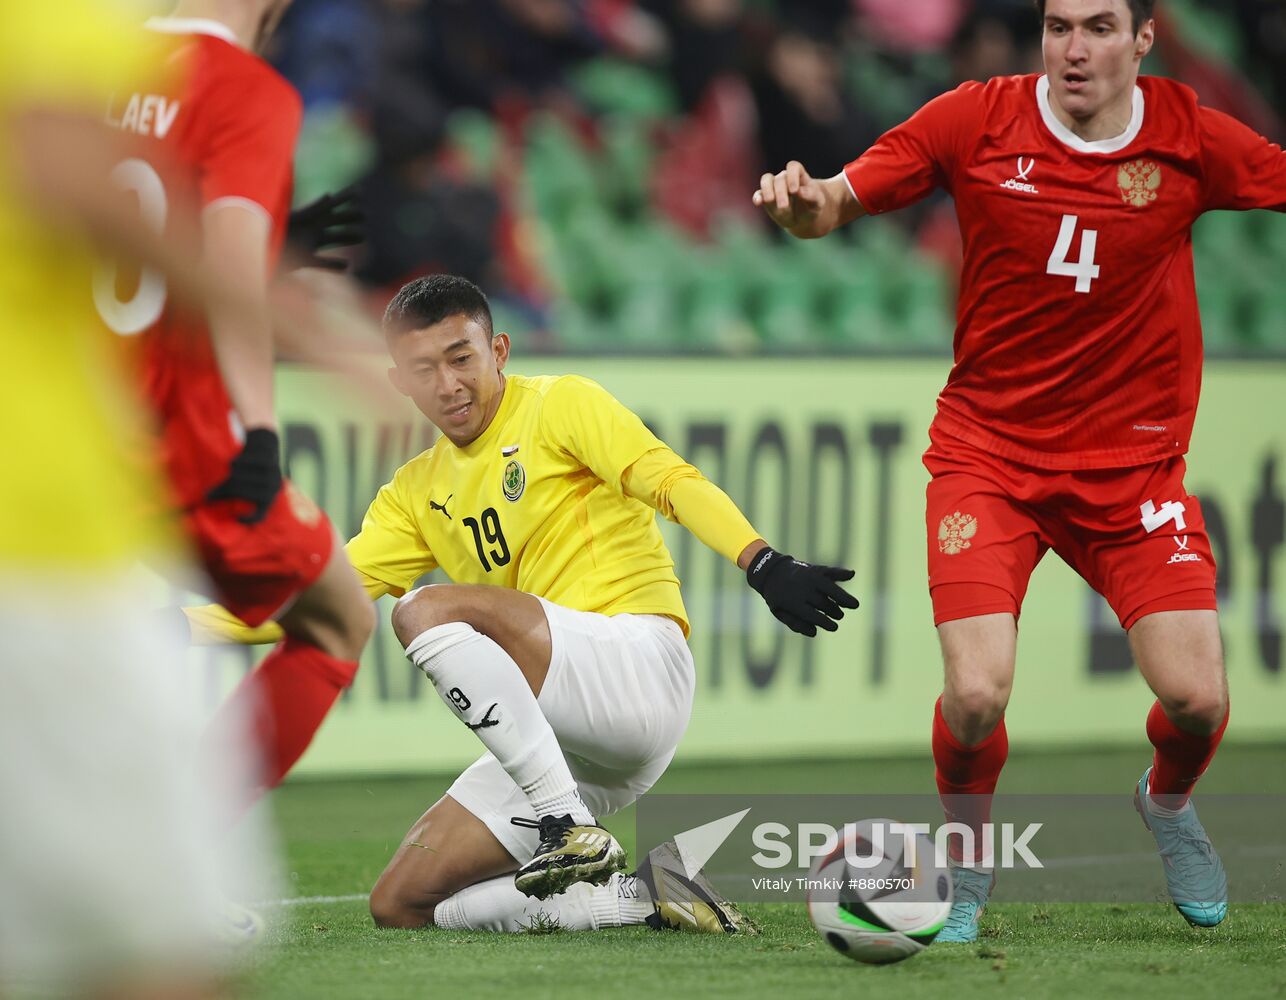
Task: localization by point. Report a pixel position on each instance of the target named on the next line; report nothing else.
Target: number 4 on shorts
(1170, 511)
(1084, 270)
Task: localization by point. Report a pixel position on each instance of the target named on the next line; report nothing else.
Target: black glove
(254, 476)
(800, 595)
(333, 220)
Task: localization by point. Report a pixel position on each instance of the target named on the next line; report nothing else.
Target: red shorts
(1135, 535)
(258, 569)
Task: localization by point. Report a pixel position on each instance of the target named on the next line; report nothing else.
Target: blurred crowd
(522, 142)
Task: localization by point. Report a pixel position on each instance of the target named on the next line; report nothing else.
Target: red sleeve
(251, 142)
(921, 154)
(1243, 169)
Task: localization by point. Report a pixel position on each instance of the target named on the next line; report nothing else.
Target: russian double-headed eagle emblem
(1138, 181)
(955, 531)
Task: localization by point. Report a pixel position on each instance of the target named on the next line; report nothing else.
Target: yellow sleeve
(212, 625)
(389, 552)
(661, 479)
(590, 424)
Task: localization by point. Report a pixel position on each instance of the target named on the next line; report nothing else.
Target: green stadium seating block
(614, 86)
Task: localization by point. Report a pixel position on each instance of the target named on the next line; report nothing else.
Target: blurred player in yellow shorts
(108, 880)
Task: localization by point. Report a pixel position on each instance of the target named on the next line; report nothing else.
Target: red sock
(284, 701)
(967, 777)
(1181, 757)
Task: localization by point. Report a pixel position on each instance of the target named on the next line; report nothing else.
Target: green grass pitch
(337, 836)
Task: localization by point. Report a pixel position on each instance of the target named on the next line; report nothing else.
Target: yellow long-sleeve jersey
(555, 498)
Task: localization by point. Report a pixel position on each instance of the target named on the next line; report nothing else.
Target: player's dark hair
(1140, 11)
(429, 300)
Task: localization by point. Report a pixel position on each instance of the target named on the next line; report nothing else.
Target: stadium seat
(333, 152)
(475, 135)
(716, 317)
(558, 172)
(614, 86)
(859, 321)
(625, 164)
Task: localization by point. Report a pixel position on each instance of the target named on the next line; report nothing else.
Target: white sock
(633, 901)
(497, 906)
(487, 690)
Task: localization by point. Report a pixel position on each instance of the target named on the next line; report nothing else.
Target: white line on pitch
(305, 900)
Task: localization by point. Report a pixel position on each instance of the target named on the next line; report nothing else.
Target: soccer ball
(869, 904)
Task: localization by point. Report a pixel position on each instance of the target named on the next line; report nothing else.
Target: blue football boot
(972, 887)
(1193, 872)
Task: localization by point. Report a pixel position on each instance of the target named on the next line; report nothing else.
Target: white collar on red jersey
(191, 26)
(1069, 138)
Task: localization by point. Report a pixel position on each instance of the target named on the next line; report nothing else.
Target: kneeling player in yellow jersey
(562, 641)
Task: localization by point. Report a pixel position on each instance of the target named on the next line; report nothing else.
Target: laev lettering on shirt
(147, 114)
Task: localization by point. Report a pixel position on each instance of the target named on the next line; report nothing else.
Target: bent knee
(390, 909)
(1200, 710)
(425, 608)
(979, 703)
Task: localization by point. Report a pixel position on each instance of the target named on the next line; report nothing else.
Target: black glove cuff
(262, 445)
(762, 566)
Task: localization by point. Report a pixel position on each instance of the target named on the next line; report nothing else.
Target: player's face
(1092, 55)
(452, 371)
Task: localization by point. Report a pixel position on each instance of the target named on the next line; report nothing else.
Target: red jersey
(225, 132)
(1078, 341)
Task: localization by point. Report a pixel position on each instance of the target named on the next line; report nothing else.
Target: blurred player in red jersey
(1066, 416)
(224, 135)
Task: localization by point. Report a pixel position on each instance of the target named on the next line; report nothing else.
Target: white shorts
(110, 860)
(618, 696)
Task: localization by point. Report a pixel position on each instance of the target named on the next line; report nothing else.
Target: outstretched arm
(665, 482)
(611, 441)
(906, 164)
(802, 596)
(804, 206)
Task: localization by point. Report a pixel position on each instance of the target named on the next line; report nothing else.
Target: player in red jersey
(223, 135)
(1067, 413)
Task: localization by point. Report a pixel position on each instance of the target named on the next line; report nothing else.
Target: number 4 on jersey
(1084, 270)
